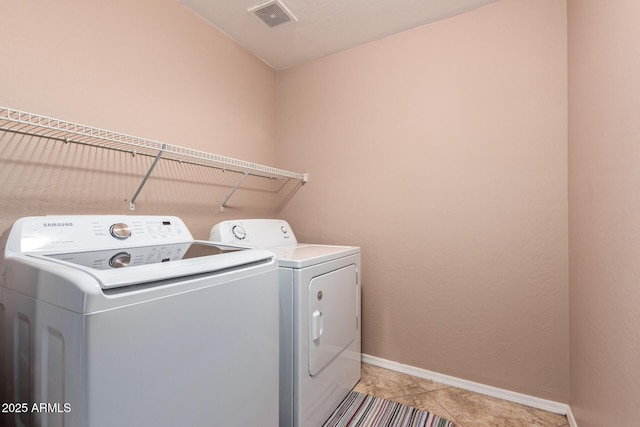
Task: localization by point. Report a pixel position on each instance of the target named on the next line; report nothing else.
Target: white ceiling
(323, 27)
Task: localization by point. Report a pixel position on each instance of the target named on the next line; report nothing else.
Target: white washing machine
(127, 321)
(319, 321)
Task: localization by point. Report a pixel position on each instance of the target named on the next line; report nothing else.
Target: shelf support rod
(224, 204)
(132, 204)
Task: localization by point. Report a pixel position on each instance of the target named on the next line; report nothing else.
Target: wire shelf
(47, 127)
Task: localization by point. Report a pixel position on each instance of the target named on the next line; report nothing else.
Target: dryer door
(333, 312)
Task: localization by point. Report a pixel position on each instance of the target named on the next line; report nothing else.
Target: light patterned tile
(476, 410)
(385, 383)
(429, 385)
(501, 423)
(464, 408)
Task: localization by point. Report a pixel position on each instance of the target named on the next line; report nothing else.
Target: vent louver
(272, 13)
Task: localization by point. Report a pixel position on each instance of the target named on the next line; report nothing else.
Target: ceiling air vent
(272, 13)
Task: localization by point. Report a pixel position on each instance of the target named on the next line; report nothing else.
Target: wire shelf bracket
(21, 122)
(132, 203)
(224, 203)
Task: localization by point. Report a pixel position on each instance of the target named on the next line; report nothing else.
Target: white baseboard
(570, 417)
(535, 402)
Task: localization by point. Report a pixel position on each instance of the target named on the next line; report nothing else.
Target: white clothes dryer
(320, 354)
(127, 321)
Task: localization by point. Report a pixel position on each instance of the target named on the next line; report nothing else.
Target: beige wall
(604, 206)
(442, 152)
(147, 68)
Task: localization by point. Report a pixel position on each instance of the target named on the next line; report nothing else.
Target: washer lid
(304, 255)
(113, 268)
(130, 257)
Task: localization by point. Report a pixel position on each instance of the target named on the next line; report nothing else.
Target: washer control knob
(120, 231)
(238, 232)
(119, 260)
(284, 229)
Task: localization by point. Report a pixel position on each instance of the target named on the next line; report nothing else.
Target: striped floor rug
(362, 410)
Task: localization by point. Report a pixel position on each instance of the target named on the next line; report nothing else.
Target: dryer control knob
(238, 232)
(120, 231)
(119, 260)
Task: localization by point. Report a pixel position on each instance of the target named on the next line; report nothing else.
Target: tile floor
(464, 408)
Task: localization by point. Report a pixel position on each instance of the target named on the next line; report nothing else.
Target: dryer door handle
(317, 325)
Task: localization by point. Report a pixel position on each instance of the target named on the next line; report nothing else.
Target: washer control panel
(91, 232)
(260, 233)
